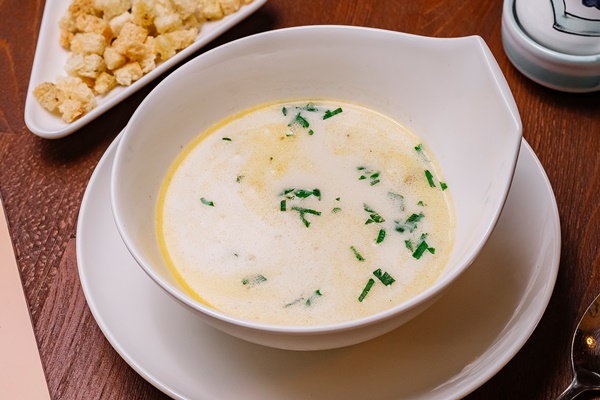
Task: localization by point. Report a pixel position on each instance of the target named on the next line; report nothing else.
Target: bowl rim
(429, 294)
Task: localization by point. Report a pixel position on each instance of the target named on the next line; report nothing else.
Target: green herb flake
(286, 191)
(409, 245)
(357, 254)
(301, 120)
(239, 178)
(253, 280)
(336, 210)
(207, 202)
(380, 236)
(375, 178)
(443, 185)
(227, 139)
(419, 147)
(365, 291)
(422, 248)
(429, 176)
(284, 111)
(311, 132)
(303, 212)
(384, 277)
(310, 107)
(337, 199)
(410, 224)
(329, 114)
(283, 205)
(312, 298)
(420, 203)
(374, 216)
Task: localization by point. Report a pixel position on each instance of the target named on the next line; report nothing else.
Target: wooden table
(42, 183)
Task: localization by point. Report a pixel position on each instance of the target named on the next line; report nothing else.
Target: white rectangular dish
(50, 58)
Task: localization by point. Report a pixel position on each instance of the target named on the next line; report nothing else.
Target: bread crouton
(113, 58)
(210, 10)
(104, 83)
(128, 73)
(169, 43)
(88, 43)
(48, 95)
(92, 24)
(230, 6)
(78, 98)
(112, 8)
(85, 65)
(143, 12)
(116, 23)
(130, 41)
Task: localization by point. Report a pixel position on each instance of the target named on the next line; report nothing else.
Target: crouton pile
(116, 42)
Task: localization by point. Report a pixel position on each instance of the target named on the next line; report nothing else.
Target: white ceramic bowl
(449, 91)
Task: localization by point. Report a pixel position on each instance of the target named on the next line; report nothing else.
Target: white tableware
(50, 59)
(445, 353)
(558, 59)
(450, 92)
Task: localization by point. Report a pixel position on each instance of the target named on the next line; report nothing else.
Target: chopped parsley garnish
(306, 193)
(336, 210)
(409, 245)
(420, 203)
(310, 300)
(372, 175)
(422, 248)
(443, 185)
(307, 302)
(384, 277)
(207, 202)
(410, 224)
(311, 132)
(380, 236)
(299, 119)
(253, 280)
(365, 291)
(284, 111)
(429, 176)
(329, 114)
(300, 193)
(310, 107)
(374, 217)
(303, 212)
(357, 254)
(227, 139)
(419, 147)
(283, 205)
(337, 199)
(239, 178)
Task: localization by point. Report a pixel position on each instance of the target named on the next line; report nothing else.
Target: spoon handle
(574, 389)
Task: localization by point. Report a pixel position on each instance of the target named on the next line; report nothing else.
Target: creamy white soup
(305, 213)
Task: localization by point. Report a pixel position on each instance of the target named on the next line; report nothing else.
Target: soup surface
(305, 213)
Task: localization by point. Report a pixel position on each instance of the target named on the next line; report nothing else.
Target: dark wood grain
(42, 183)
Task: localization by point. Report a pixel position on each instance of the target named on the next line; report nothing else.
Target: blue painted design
(577, 17)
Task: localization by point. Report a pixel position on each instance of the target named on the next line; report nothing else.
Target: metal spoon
(585, 354)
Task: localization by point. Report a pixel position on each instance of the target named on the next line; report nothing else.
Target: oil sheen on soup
(305, 213)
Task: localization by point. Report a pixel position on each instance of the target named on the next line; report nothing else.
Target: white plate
(447, 352)
(50, 59)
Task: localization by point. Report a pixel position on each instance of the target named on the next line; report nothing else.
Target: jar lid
(555, 43)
